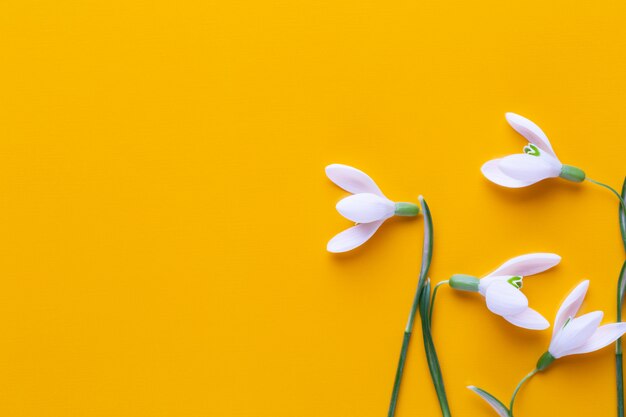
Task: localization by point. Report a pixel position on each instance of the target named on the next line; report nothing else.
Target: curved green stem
(608, 187)
(427, 255)
(432, 300)
(619, 371)
(622, 216)
(621, 283)
(619, 379)
(431, 353)
(526, 378)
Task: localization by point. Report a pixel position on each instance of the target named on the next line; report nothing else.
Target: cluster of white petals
(367, 206)
(501, 289)
(574, 335)
(537, 162)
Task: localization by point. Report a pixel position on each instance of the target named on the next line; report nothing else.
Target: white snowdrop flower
(501, 288)
(538, 162)
(575, 335)
(367, 207)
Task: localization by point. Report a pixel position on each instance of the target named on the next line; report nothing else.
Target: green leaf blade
(431, 354)
(427, 250)
(621, 290)
(622, 216)
(492, 401)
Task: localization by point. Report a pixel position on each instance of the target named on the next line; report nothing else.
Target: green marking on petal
(515, 281)
(567, 322)
(531, 150)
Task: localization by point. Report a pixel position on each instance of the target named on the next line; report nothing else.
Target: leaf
(621, 289)
(427, 256)
(426, 259)
(427, 250)
(492, 401)
(622, 216)
(431, 354)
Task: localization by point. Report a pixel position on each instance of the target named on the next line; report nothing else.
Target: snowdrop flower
(575, 335)
(571, 336)
(537, 163)
(367, 207)
(501, 288)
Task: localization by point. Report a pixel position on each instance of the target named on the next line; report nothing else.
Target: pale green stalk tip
(407, 209)
(544, 361)
(572, 173)
(464, 282)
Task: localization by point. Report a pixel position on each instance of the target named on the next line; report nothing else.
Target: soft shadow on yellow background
(164, 210)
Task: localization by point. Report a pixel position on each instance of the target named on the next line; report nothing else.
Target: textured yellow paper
(164, 210)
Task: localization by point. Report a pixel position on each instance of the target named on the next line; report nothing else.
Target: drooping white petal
(528, 264)
(504, 299)
(528, 168)
(528, 319)
(530, 131)
(352, 180)
(491, 170)
(353, 237)
(570, 306)
(366, 208)
(603, 336)
(575, 333)
(492, 401)
(485, 282)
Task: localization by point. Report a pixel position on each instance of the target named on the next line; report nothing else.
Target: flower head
(367, 206)
(501, 288)
(575, 335)
(537, 162)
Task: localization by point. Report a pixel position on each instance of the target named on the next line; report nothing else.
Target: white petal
(366, 208)
(529, 319)
(530, 131)
(529, 168)
(570, 306)
(604, 336)
(492, 401)
(352, 180)
(504, 299)
(525, 265)
(353, 237)
(491, 170)
(576, 333)
(484, 283)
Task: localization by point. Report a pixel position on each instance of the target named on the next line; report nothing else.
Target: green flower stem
(619, 378)
(622, 216)
(621, 288)
(432, 301)
(526, 378)
(427, 254)
(608, 187)
(399, 371)
(619, 369)
(431, 354)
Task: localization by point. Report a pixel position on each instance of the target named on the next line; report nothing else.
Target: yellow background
(164, 211)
